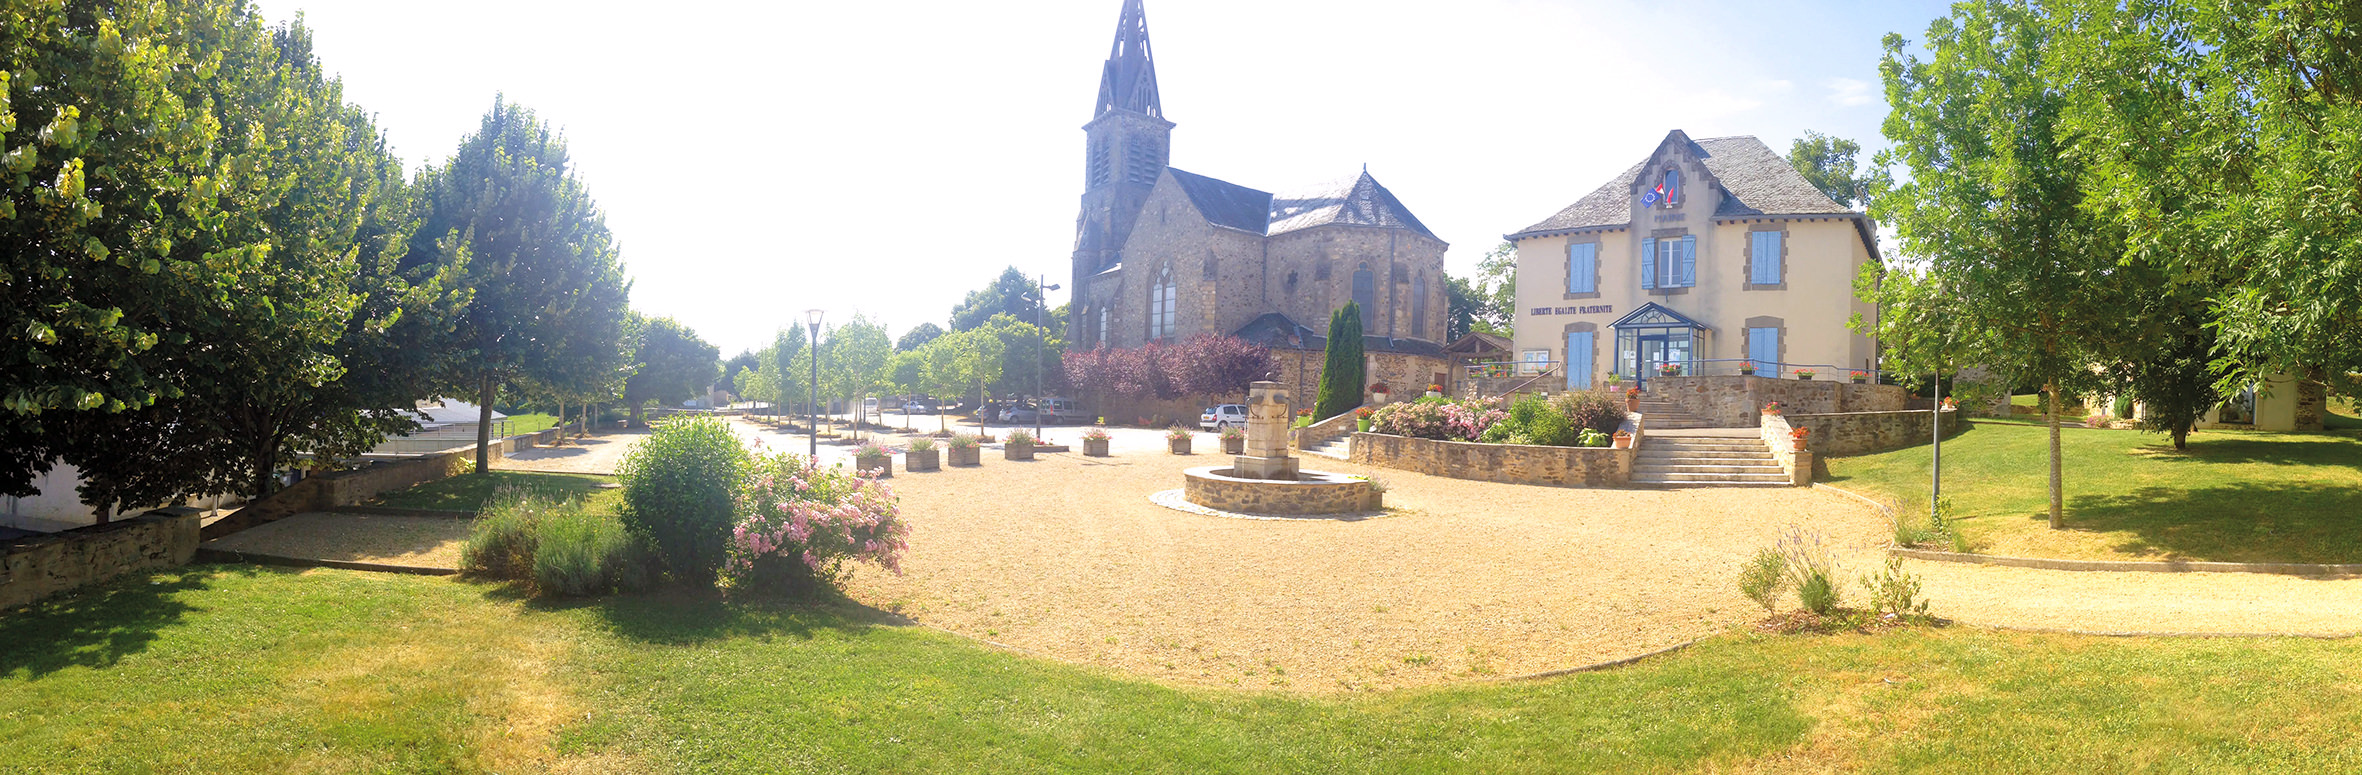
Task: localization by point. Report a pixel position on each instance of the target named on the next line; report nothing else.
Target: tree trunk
(561, 424)
(2181, 437)
(2057, 488)
(636, 421)
(484, 397)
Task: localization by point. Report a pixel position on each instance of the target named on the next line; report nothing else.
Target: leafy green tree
(549, 295)
(854, 359)
(680, 491)
(1342, 370)
(673, 366)
(1828, 163)
(1028, 353)
(918, 336)
(1993, 200)
(1012, 293)
(745, 359)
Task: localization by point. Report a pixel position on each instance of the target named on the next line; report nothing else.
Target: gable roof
(1360, 201)
(1225, 203)
(1756, 180)
(1280, 332)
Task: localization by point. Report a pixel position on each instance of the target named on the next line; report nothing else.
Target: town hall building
(1162, 254)
(1707, 256)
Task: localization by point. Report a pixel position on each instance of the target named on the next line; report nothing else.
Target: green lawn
(521, 424)
(2235, 496)
(2344, 414)
(467, 492)
(249, 669)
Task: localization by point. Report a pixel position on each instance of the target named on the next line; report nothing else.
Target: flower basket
(1805, 375)
(1020, 446)
(1746, 369)
(1797, 437)
(1631, 399)
(1669, 370)
(922, 460)
(1772, 408)
(1858, 377)
(1623, 439)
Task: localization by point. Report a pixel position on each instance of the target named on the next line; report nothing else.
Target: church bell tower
(1126, 147)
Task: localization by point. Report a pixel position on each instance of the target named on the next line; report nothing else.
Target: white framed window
(1671, 262)
(1533, 361)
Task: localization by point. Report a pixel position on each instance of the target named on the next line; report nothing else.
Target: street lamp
(1041, 298)
(813, 315)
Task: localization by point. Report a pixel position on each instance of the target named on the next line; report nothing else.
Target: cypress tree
(1341, 371)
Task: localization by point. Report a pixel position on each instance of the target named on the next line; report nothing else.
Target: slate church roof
(1360, 201)
(1280, 332)
(1757, 181)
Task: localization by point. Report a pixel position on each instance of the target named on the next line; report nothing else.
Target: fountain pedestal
(1266, 455)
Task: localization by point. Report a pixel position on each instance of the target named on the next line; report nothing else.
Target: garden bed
(1507, 463)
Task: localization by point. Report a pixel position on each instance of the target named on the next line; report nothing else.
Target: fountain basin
(1313, 492)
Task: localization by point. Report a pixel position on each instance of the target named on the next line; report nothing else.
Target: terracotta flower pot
(1017, 450)
(1237, 446)
(1178, 446)
(1623, 440)
(1799, 444)
(1632, 403)
(966, 456)
(1095, 447)
(928, 460)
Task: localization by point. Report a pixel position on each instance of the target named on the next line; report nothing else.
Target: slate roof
(1360, 201)
(1225, 203)
(1757, 180)
(1279, 332)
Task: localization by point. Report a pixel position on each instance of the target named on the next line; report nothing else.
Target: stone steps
(1706, 461)
(1340, 449)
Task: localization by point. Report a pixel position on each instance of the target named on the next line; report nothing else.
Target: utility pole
(814, 315)
(1041, 306)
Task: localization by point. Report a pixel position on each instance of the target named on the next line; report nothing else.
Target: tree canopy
(673, 365)
(1012, 293)
(918, 336)
(1829, 164)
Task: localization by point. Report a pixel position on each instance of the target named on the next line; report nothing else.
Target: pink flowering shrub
(798, 524)
(1442, 420)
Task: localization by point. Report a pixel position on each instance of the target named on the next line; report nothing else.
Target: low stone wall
(1510, 463)
(1853, 433)
(1211, 487)
(1324, 431)
(1734, 401)
(345, 488)
(39, 566)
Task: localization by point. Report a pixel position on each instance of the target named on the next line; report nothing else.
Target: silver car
(1217, 418)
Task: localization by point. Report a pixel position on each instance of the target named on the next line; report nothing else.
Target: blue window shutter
(1583, 268)
(1578, 360)
(1689, 261)
(1767, 258)
(1571, 274)
(1648, 262)
(1763, 347)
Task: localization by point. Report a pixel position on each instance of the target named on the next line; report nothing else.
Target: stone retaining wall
(1510, 463)
(1735, 401)
(1210, 487)
(344, 488)
(1324, 431)
(39, 566)
(1854, 433)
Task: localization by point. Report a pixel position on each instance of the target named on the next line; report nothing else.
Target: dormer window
(1666, 192)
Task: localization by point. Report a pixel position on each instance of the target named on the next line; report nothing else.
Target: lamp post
(813, 316)
(1041, 299)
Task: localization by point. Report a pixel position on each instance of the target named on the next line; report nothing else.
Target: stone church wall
(1323, 259)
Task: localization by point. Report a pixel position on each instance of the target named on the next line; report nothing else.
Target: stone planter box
(1510, 463)
(1237, 446)
(928, 460)
(1095, 447)
(1017, 451)
(1178, 446)
(882, 465)
(966, 456)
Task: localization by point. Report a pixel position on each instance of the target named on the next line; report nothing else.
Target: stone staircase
(1668, 416)
(1729, 459)
(1340, 448)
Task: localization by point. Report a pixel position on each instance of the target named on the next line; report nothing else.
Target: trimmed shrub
(500, 542)
(1536, 421)
(1341, 365)
(1763, 578)
(581, 552)
(802, 522)
(1598, 410)
(680, 493)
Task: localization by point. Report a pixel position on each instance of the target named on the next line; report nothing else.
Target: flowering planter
(1361, 425)
(966, 456)
(922, 460)
(1094, 447)
(882, 466)
(1178, 446)
(1017, 450)
(1631, 403)
(1237, 446)
(1860, 381)
(1804, 378)
(1799, 444)
(1623, 440)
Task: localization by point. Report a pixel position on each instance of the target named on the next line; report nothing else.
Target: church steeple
(1129, 80)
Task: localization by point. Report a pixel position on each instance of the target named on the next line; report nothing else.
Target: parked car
(1217, 418)
(921, 405)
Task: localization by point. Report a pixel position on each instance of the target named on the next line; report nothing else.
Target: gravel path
(423, 542)
(1066, 557)
(592, 455)
(2116, 602)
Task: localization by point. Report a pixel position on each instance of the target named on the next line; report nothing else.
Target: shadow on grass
(2326, 450)
(96, 627)
(468, 492)
(2234, 522)
(674, 615)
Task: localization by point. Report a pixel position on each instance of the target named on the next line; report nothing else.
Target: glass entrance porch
(1654, 336)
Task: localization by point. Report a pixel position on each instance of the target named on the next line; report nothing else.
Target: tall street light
(1041, 299)
(813, 315)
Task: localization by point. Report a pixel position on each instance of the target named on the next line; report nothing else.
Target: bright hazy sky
(759, 159)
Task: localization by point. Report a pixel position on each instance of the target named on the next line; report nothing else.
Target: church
(1161, 254)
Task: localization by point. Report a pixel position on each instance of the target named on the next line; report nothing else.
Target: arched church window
(1365, 293)
(1419, 305)
(1290, 287)
(1163, 298)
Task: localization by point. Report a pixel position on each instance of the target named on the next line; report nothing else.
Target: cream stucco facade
(1681, 231)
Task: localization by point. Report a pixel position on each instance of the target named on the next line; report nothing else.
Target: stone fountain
(1266, 479)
